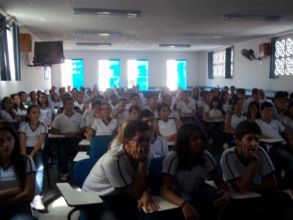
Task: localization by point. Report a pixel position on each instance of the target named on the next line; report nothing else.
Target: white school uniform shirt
(158, 148)
(273, 129)
(68, 124)
(46, 115)
(188, 180)
(233, 168)
(167, 128)
(101, 128)
(32, 135)
(113, 170)
(90, 119)
(288, 122)
(235, 120)
(186, 108)
(215, 113)
(8, 177)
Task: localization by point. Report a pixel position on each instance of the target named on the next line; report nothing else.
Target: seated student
(186, 107)
(184, 173)
(78, 103)
(288, 119)
(17, 177)
(152, 102)
(71, 125)
(235, 117)
(134, 100)
(168, 99)
(281, 152)
(104, 125)
(133, 112)
(167, 126)
(6, 111)
(94, 114)
(158, 147)
(214, 112)
(279, 108)
(247, 167)
(120, 112)
(253, 112)
(32, 134)
(119, 177)
(46, 110)
(18, 108)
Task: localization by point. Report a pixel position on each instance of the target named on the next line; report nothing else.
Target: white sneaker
(37, 203)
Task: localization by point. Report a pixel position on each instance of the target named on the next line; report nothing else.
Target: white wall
(247, 74)
(157, 65)
(32, 78)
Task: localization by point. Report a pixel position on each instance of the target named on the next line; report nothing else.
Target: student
(158, 146)
(133, 112)
(17, 107)
(134, 100)
(253, 112)
(71, 125)
(184, 173)
(78, 103)
(33, 98)
(94, 114)
(186, 107)
(235, 117)
(280, 152)
(279, 108)
(120, 112)
(104, 125)
(214, 112)
(247, 167)
(288, 119)
(152, 102)
(32, 134)
(17, 177)
(119, 177)
(6, 112)
(167, 126)
(45, 109)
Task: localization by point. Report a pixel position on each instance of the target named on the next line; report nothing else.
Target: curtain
(16, 48)
(272, 66)
(210, 65)
(4, 61)
(228, 71)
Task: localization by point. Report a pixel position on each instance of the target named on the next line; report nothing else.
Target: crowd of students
(175, 125)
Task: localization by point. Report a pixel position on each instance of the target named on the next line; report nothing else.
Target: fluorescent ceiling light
(204, 37)
(98, 33)
(93, 44)
(175, 45)
(235, 17)
(100, 11)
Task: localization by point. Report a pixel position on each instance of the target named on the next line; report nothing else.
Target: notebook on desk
(162, 203)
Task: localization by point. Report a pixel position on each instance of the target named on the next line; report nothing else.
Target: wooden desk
(81, 155)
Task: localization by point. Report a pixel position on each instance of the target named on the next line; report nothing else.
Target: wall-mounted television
(48, 53)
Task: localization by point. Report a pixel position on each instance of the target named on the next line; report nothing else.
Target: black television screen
(48, 52)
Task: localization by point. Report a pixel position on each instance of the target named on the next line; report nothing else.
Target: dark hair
(266, 105)
(134, 126)
(17, 159)
(67, 97)
(162, 105)
(47, 101)
(13, 104)
(21, 104)
(246, 127)
(280, 94)
(29, 109)
(254, 91)
(288, 107)
(95, 103)
(146, 113)
(240, 90)
(187, 160)
(253, 103)
(234, 101)
(134, 108)
(10, 111)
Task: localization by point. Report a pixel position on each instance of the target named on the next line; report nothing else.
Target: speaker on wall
(265, 49)
(25, 42)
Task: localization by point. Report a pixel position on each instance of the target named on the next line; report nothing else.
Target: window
(137, 74)
(220, 63)
(282, 57)
(109, 74)
(72, 73)
(9, 51)
(176, 74)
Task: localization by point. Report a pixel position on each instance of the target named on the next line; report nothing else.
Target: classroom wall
(247, 74)
(32, 78)
(157, 65)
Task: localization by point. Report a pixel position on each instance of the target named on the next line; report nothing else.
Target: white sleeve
(170, 164)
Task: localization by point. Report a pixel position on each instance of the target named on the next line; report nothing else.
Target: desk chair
(99, 145)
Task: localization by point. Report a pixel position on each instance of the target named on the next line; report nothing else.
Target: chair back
(154, 178)
(81, 170)
(99, 146)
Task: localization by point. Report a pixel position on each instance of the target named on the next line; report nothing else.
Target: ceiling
(197, 22)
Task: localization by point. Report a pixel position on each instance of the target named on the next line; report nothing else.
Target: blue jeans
(39, 164)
